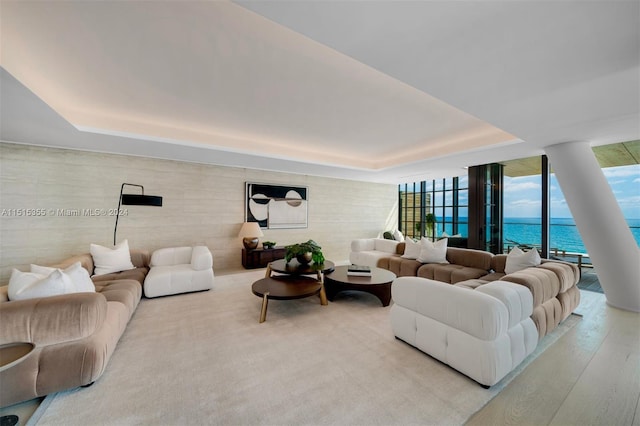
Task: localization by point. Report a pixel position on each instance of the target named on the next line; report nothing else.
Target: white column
(602, 226)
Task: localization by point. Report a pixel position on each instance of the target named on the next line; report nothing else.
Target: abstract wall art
(276, 206)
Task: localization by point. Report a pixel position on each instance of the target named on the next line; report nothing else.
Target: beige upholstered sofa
(74, 335)
(552, 283)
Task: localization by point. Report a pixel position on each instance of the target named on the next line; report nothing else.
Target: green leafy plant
(300, 249)
(268, 244)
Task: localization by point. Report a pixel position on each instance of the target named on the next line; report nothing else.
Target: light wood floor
(590, 376)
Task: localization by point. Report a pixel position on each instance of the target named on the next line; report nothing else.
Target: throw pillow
(77, 274)
(107, 260)
(433, 252)
(27, 285)
(518, 260)
(397, 235)
(411, 249)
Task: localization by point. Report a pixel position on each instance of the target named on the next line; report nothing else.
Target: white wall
(202, 204)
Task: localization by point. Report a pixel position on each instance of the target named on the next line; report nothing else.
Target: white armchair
(179, 270)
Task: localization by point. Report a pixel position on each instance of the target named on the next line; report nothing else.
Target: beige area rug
(203, 359)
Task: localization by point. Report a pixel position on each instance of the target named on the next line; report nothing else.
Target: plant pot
(304, 258)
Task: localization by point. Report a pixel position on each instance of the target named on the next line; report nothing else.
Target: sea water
(564, 233)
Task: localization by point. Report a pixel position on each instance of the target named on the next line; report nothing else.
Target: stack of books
(359, 271)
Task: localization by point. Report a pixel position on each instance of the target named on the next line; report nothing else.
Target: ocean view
(564, 232)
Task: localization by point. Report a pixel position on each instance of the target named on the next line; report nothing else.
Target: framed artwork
(276, 206)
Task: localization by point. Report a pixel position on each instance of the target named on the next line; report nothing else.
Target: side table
(260, 257)
(10, 355)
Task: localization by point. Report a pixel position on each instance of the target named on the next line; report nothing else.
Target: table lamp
(250, 232)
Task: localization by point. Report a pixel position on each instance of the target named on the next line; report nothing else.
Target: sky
(522, 194)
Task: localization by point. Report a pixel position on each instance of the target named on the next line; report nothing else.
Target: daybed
(74, 334)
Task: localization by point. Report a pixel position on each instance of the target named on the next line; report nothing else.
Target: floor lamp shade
(134, 200)
(250, 232)
(141, 200)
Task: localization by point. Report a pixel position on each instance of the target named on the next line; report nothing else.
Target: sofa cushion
(77, 274)
(399, 266)
(126, 292)
(412, 249)
(451, 273)
(137, 274)
(471, 284)
(433, 252)
(28, 285)
(543, 283)
(518, 260)
(107, 260)
(469, 257)
(567, 273)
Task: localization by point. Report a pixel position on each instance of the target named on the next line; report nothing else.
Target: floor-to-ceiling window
(434, 208)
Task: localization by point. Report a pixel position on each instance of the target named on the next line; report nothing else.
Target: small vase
(304, 259)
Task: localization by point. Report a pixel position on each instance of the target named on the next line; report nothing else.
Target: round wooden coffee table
(284, 287)
(378, 284)
(296, 268)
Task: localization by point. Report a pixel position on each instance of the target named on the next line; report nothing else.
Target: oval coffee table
(284, 287)
(378, 284)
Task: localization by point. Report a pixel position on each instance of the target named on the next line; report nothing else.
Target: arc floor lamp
(134, 200)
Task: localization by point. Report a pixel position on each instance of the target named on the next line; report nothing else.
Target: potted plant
(268, 244)
(304, 252)
(430, 221)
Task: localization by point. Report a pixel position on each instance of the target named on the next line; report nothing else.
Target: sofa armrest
(363, 244)
(386, 246)
(49, 320)
(201, 258)
(480, 315)
(170, 256)
(517, 298)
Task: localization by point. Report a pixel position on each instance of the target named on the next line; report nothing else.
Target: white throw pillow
(27, 285)
(79, 276)
(107, 261)
(434, 252)
(444, 235)
(518, 260)
(397, 235)
(411, 249)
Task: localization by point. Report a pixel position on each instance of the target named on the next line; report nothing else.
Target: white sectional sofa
(367, 251)
(483, 333)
